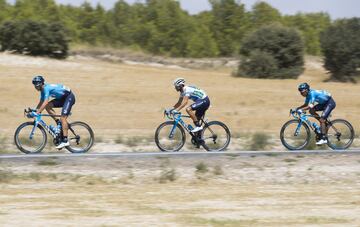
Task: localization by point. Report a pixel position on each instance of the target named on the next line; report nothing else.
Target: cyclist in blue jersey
(198, 108)
(62, 97)
(317, 100)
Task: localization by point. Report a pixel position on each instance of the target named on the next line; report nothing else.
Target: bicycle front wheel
(81, 137)
(340, 134)
(295, 136)
(170, 137)
(215, 136)
(27, 143)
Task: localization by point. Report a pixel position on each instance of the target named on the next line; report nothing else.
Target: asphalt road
(177, 154)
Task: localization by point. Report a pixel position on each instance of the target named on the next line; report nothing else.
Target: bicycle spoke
(215, 136)
(80, 137)
(169, 138)
(295, 136)
(27, 143)
(340, 134)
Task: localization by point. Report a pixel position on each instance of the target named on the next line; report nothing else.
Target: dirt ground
(228, 190)
(123, 101)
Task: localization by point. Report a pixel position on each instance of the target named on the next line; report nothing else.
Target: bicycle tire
(157, 139)
(71, 138)
(332, 144)
(208, 146)
(21, 147)
(286, 144)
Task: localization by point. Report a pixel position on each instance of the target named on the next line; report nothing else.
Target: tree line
(270, 45)
(162, 27)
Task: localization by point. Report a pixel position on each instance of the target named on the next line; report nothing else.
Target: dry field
(122, 100)
(231, 190)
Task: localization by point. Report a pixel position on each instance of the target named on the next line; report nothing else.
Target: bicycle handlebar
(31, 113)
(172, 115)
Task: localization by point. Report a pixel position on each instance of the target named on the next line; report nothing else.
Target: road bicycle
(170, 135)
(31, 137)
(295, 134)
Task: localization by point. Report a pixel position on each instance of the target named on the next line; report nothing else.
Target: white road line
(152, 154)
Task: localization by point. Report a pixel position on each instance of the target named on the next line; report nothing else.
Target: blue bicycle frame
(303, 118)
(178, 120)
(38, 121)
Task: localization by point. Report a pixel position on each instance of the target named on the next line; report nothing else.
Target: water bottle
(58, 127)
(190, 127)
(316, 127)
(52, 128)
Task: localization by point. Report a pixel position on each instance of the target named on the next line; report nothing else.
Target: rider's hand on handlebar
(32, 114)
(168, 111)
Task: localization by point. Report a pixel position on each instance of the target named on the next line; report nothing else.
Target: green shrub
(341, 48)
(259, 141)
(34, 38)
(259, 65)
(273, 51)
(201, 168)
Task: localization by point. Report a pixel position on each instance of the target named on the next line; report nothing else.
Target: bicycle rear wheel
(27, 144)
(81, 137)
(340, 134)
(294, 138)
(169, 137)
(215, 136)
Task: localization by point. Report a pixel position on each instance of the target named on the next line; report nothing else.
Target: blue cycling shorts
(326, 108)
(66, 102)
(200, 106)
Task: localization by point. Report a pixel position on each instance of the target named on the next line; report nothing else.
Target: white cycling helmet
(179, 81)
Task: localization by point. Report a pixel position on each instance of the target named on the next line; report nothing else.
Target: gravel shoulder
(229, 190)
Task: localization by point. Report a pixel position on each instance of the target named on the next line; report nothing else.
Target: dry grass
(128, 99)
(287, 190)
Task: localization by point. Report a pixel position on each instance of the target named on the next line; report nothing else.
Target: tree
(34, 38)
(170, 28)
(263, 14)
(39, 10)
(228, 25)
(4, 10)
(310, 25)
(341, 47)
(280, 47)
(202, 44)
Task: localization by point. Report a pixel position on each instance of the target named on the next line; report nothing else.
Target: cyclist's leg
(315, 109)
(69, 102)
(329, 107)
(199, 108)
(56, 103)
(191, 112)
(204, 107)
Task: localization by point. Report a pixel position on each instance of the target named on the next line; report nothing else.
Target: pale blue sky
(336, 8)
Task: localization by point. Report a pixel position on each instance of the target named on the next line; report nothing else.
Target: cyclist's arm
(184, 102)
(304, 107)
(42, 106)
(39, 105)
(178, 103)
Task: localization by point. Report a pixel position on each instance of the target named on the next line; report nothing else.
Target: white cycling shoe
(321, 142)
(197, 129)
(62, 145)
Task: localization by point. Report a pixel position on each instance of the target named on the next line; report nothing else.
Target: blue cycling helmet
(304, 86)
(38, 80)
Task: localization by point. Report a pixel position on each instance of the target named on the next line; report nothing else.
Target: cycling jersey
(318, 96)
(56, 91)
(193, 93)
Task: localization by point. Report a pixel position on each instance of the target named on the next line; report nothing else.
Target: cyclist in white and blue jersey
(198, 108)
(317, 100)
(62, 97)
